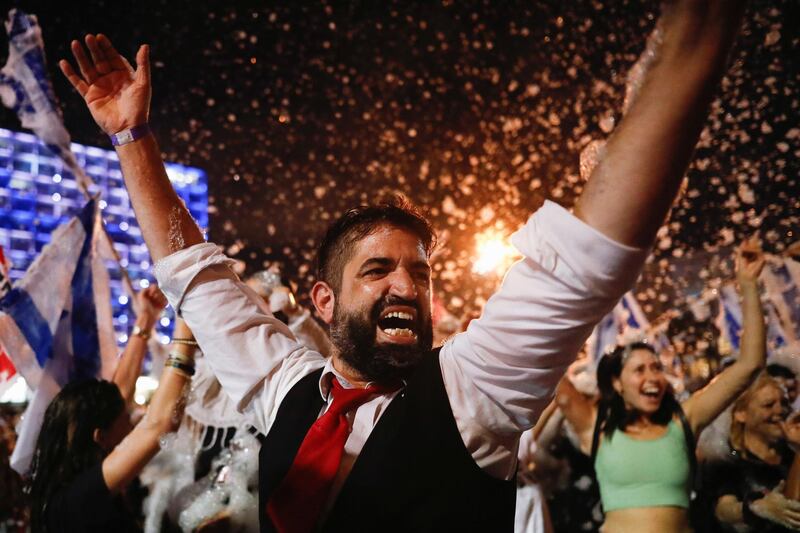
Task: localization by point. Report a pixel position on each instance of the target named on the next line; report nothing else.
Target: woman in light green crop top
(643, 461)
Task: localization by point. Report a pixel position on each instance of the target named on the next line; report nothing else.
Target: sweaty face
(642, 383)
(382, 317)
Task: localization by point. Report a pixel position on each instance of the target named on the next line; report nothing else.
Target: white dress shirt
(499, 374)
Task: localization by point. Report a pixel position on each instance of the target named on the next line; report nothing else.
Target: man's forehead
(388, 241)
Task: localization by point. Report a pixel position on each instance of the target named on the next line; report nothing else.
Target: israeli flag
(776, 336)
(635, 319)
(625, 321)
(603, 337)
(25, 88)
(782, 282)
(729, 321)
(55, 324)
(7, 370)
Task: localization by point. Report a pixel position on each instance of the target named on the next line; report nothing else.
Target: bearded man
(388, 434)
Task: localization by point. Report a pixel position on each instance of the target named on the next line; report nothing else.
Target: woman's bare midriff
(647, 520)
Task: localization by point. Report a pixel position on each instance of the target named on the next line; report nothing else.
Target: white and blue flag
(25, 88)
(635, 318)
(776, 336)
(603, 337)
(55, 322)
(782, 281)
(729, 320)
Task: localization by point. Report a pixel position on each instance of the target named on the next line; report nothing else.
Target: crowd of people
(617, 446)
(350, 416)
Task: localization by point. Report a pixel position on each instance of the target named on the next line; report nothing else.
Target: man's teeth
(401, 315)
(399, 332)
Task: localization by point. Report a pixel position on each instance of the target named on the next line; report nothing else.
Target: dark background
(475, 110)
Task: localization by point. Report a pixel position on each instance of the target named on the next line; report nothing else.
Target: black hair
(66, 445)
(337, 245)
(611, 411)
(780, 371)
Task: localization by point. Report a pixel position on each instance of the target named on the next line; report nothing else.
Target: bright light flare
(145, 387)
(494, 253)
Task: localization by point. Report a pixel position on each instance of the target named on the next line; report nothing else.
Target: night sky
(477, 111)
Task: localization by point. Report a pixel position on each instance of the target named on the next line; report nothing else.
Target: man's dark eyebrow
(375, 261)
(385, 261)
(421, 265)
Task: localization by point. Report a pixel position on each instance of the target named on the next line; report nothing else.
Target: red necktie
(297, 502)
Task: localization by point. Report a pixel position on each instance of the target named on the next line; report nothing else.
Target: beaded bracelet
(173, 363)
(182, 358)
(187, 342)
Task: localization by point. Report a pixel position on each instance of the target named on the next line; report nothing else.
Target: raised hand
(149, 304)
(117, 96)
(749, 261)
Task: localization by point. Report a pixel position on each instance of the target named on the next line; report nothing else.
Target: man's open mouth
(398, 324)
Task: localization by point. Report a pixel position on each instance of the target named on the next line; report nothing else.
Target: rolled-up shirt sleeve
(254, 355)
(501, 372)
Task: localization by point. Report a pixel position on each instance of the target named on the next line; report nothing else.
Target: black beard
(354, 336)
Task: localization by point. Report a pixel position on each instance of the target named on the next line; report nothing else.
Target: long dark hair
(611, 411)
(66, 445)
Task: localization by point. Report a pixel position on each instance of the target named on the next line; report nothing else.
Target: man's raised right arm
(246, 346)
(118, 98)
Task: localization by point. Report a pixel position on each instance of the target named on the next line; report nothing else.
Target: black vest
(413, 474)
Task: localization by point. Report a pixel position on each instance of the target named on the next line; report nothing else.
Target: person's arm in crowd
(547, 414)
(634, 184)
(233, 326)
(576, 268)
(578, 410)
(163, 416)
(118, 98)
(534, 445)
(149, 304)
(793, 479)
(728, 510)
(547, 429)
(774, 507)
(706, 404)
(791, 429)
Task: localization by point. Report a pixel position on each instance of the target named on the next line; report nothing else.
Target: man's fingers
(143, 64)
(101, 63)
(793, 506)
(793, 523)
(73, 78)
(127, 65)
(114, 57)
(87, 69)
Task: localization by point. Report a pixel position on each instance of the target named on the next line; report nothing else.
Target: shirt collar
(328, 373)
